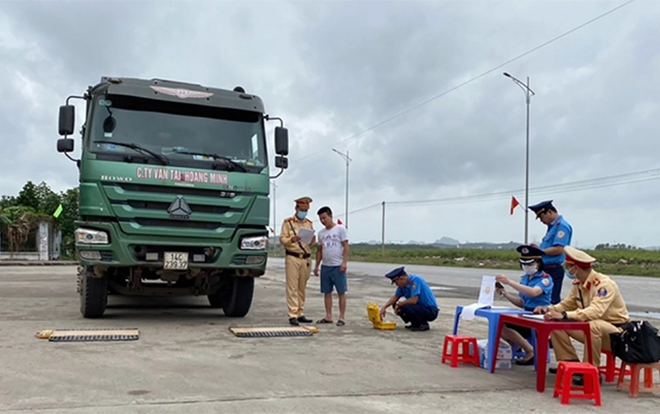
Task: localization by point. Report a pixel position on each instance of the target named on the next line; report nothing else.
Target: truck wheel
(215, 299)
(93, 294)
(239, 297)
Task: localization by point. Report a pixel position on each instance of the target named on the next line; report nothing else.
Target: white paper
(305, 235)
(533, 316)
(468, 311)
(487, 291)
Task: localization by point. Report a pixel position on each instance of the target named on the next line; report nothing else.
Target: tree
(27, 197)
(17, 223)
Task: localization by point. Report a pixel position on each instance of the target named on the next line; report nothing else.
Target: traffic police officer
(298, 260)
(557, 237)
(534, 290)
(419, 307)
(595, 298)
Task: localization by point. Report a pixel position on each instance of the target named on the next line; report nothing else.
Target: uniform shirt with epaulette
(417, 286)
(559, 234)
(287, 234)
(541, 280)
(598, 298)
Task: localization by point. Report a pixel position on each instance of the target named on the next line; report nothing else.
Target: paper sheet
(487, 291)
(468, 311)
(305, 235)
(486, 298)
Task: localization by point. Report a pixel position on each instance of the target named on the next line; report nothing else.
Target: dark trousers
(418, 314)
(557, 274)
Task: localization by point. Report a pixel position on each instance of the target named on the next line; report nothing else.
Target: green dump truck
(174, 191)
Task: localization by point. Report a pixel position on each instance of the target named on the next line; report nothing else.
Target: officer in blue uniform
(419, 307)
(534, 289)
(558, 236)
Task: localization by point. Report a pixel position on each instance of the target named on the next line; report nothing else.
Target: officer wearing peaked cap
(419, 306)
(557, 237)
(534, 290)
(298, 260)
(594, 298)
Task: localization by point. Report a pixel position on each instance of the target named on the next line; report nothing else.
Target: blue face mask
(570, 276)
(302, 214)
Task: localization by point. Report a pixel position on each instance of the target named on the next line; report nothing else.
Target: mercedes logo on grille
(179, 209)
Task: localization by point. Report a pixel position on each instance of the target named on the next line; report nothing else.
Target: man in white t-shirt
(332, 256)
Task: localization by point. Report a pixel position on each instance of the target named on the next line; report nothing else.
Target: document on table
(468, 311)
(486, 298)
(305, 235)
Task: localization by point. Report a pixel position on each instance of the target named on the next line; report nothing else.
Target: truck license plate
(175, 261)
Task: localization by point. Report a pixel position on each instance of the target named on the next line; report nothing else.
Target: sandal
(340, 323)
(323, 321)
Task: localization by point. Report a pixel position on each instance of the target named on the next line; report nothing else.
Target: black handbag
(637, 343)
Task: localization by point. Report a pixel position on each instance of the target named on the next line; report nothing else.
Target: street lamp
(528, 94)
(348, 160)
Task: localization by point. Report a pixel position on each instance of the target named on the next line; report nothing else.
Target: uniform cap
(303, 201)
(542, 206)
(528, 254)
(578, 257)
(394, 273)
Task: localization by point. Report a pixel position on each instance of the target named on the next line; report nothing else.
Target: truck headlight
(87, 236)
(254, 243)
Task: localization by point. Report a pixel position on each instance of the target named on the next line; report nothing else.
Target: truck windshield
(185, 134)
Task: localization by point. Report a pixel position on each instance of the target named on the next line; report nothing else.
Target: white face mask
(530, 269)
(569, 275)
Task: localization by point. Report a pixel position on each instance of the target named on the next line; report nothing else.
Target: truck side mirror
(282, 162)
(67, 120)
(65, 145)
(281, 141)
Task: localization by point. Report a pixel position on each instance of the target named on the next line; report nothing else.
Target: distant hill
(446, 241)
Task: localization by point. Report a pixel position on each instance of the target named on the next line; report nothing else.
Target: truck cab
(174, 191)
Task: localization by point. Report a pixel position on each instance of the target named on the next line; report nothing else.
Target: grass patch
(613, 262)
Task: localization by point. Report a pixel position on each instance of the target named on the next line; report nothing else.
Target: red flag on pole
(514, 204)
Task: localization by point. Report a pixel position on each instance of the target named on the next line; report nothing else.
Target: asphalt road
(187, 361)
(642, 294)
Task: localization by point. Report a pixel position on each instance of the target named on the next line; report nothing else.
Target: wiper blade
(137, 148)
(227, 160)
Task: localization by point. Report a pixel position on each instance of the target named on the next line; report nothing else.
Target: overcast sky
(335, 69)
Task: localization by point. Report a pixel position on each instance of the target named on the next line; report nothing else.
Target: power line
(593, 183)
(534, 49)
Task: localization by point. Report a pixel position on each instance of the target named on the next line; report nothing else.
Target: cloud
(335, 69)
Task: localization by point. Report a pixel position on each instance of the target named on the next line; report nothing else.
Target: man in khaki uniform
(298, 260)
(595, 298)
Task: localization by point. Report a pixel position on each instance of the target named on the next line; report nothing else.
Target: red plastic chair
(461, 346)
(610, 369)
(564, 382)
(635, 369)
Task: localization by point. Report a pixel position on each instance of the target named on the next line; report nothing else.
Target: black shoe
(578, 379)
(421, 328)
(294, 322)
(302, 319)
(408, 326)
(552, 370)
(525, 363)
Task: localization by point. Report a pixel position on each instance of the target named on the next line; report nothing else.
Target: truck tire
(93, 294)
(239, 297)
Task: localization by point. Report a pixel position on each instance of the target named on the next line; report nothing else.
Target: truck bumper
(125, 250)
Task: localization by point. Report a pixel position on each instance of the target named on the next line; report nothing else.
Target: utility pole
(528, 94)
(348, 160)
(382, 231)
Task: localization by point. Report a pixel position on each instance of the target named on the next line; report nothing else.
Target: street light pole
(274, 210)
(528, 94)
(348, 160)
